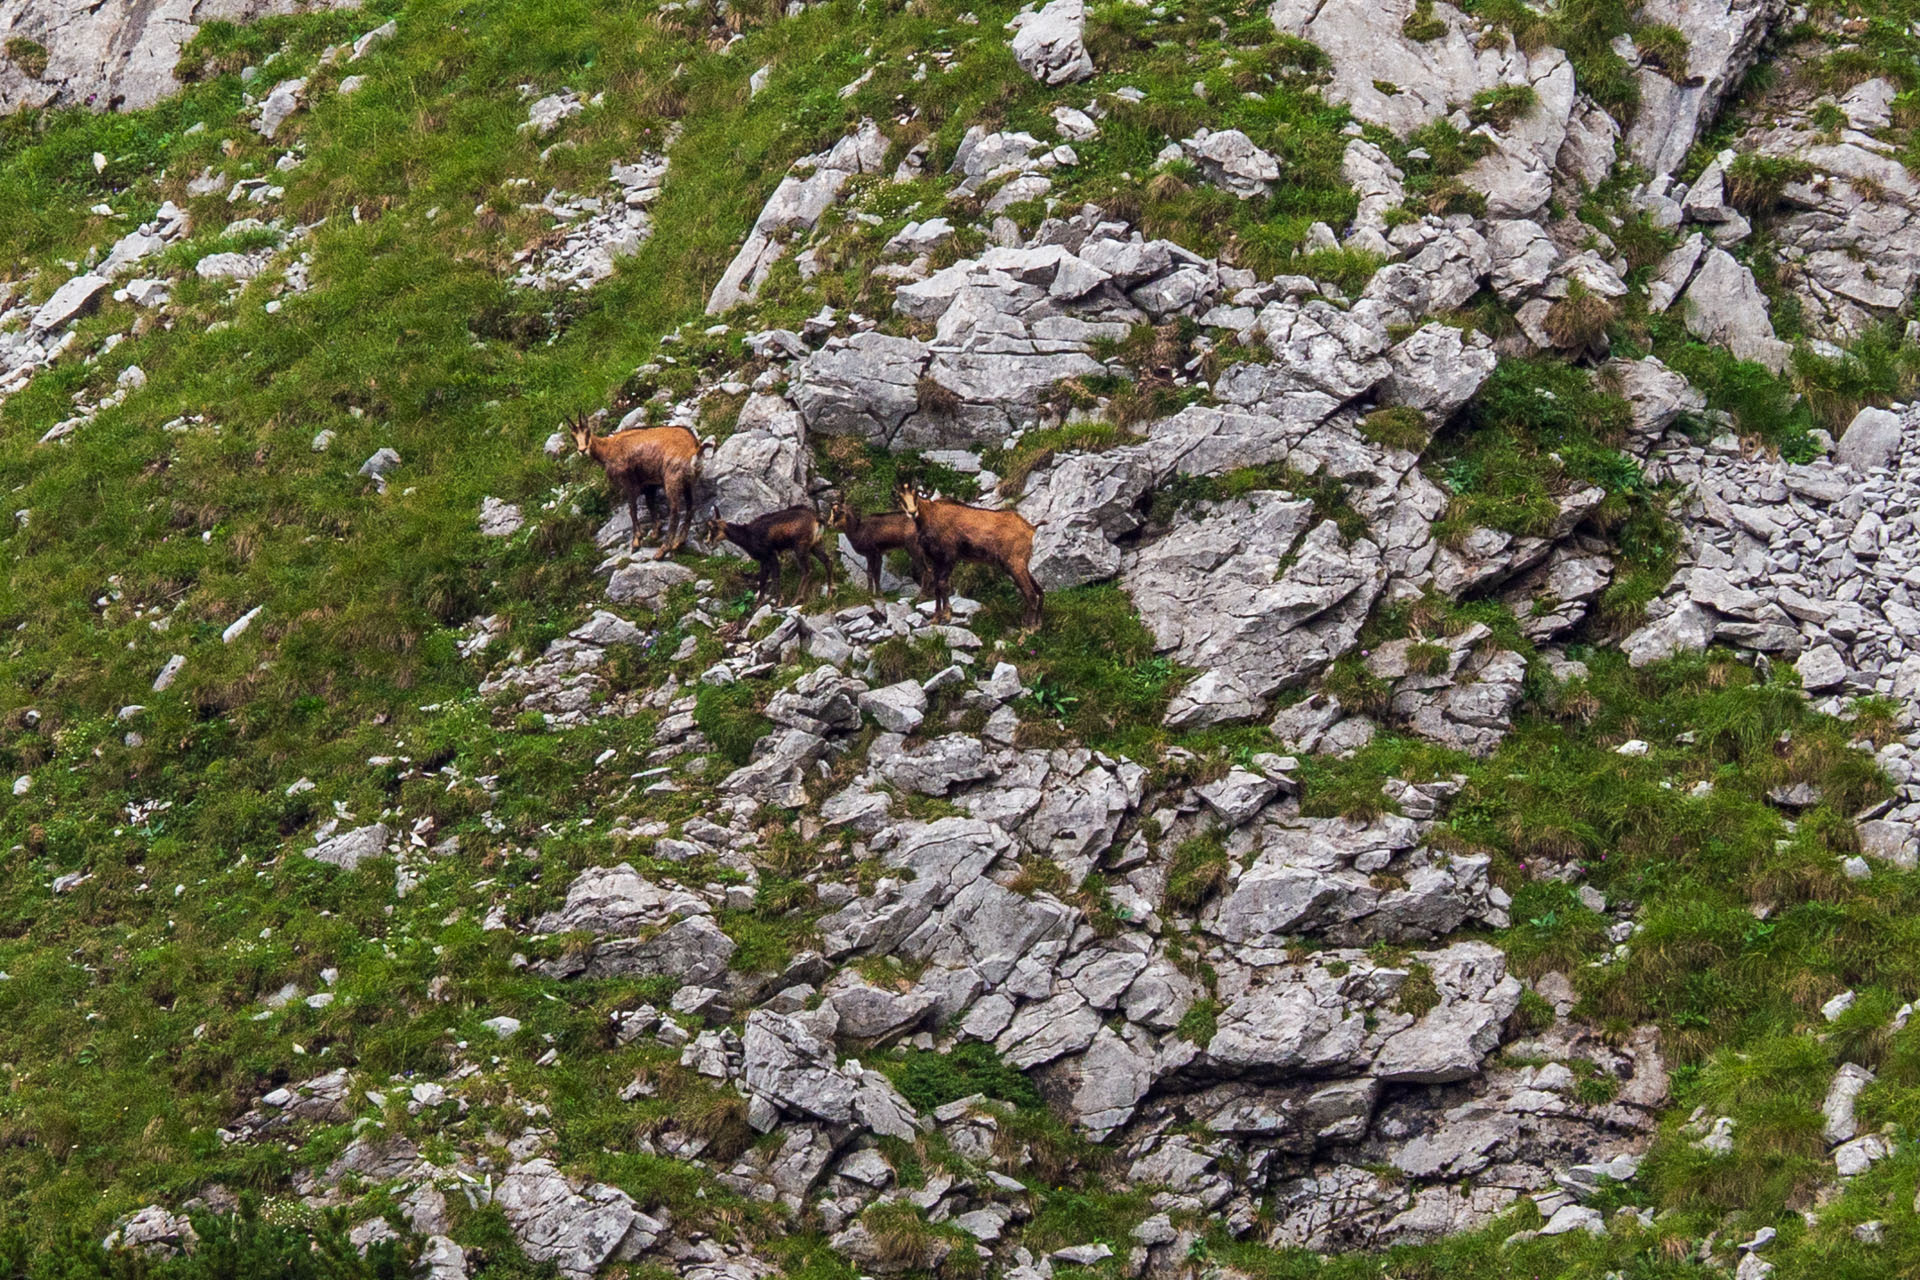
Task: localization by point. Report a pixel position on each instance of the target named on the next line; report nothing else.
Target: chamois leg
(819, 549)
(681, 495)
(633, 520)
(676, 516)
(805, 567)
(873, 572)
(942, 591)
(1030, 592)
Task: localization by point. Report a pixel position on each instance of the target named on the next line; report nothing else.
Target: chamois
(796, 529)
(873, 536)
(641, 461)
(950, 532)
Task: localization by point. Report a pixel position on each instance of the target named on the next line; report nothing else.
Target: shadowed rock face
(118, 55)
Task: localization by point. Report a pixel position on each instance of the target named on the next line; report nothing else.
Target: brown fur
(875, 535)
(797, 530)
(951, 532)
(643, 461)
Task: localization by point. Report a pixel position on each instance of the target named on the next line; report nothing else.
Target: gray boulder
(1871, 441)
(1050, 45)
(1723, 39)
(577, 1227)
(348, 850)
(1230, 159)
(1723, 305)
(796, 205)
(763, 466)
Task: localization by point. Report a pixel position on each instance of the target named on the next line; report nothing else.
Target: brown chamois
(873, 536)
(952, 531)
(642, 461)
(796, 529)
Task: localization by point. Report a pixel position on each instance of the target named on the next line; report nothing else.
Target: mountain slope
(1453, 818)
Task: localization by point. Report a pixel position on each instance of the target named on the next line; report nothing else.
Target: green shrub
(929, 1080)
(1398, 427)
(1663, 47)
(238, 1246)
(1504, 105)
(1578, 322)
(1200, 1023)
(1421, 25)
(729, 714)
(1754, 181)
(1197, 872)
(28, 55)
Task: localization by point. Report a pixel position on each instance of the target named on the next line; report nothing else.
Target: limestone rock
(1049, 45)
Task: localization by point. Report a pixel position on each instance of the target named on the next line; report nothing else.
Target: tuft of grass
(1421, 25)
(1578, 322)
(1418, 994)
(729, 714)
(1398, 427)
(1504, 106)
(1665, 48)
(1755, 181)
(1196, 872)
(1200, 1023)
(929, 1080)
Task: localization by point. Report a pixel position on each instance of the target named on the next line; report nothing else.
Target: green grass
(729, 714)
(929, 1080)
(132, 1009)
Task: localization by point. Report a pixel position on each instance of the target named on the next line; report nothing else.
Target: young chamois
(873, 536)
(642, 461)
(797, 530)
(950, 532)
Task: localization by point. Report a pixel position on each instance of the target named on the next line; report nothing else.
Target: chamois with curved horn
(643, 461)
(950, 532)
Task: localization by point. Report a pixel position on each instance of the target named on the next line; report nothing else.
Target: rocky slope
(1459, 801)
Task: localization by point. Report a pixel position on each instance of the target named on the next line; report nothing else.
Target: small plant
(1200, 1023)
(1418, 994)
(902, 1240)
(28, 55)
(1421, 25)
(935, 397)
(1755, 182)
(1594, 1087)
(1197, 872)
(1534, 1014)
(1828, 118)
(1578, 322)
(1663, 47)
(1358, 688)
(929, 1080)
(1041, 875)
(1052, 701)
(1397, 427)
(729, 714)
(1504, 105)
(1428, 659)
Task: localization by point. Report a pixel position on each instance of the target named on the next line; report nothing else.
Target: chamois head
(909, 500)
(715, 529)
(582, 431)
(839, 516)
